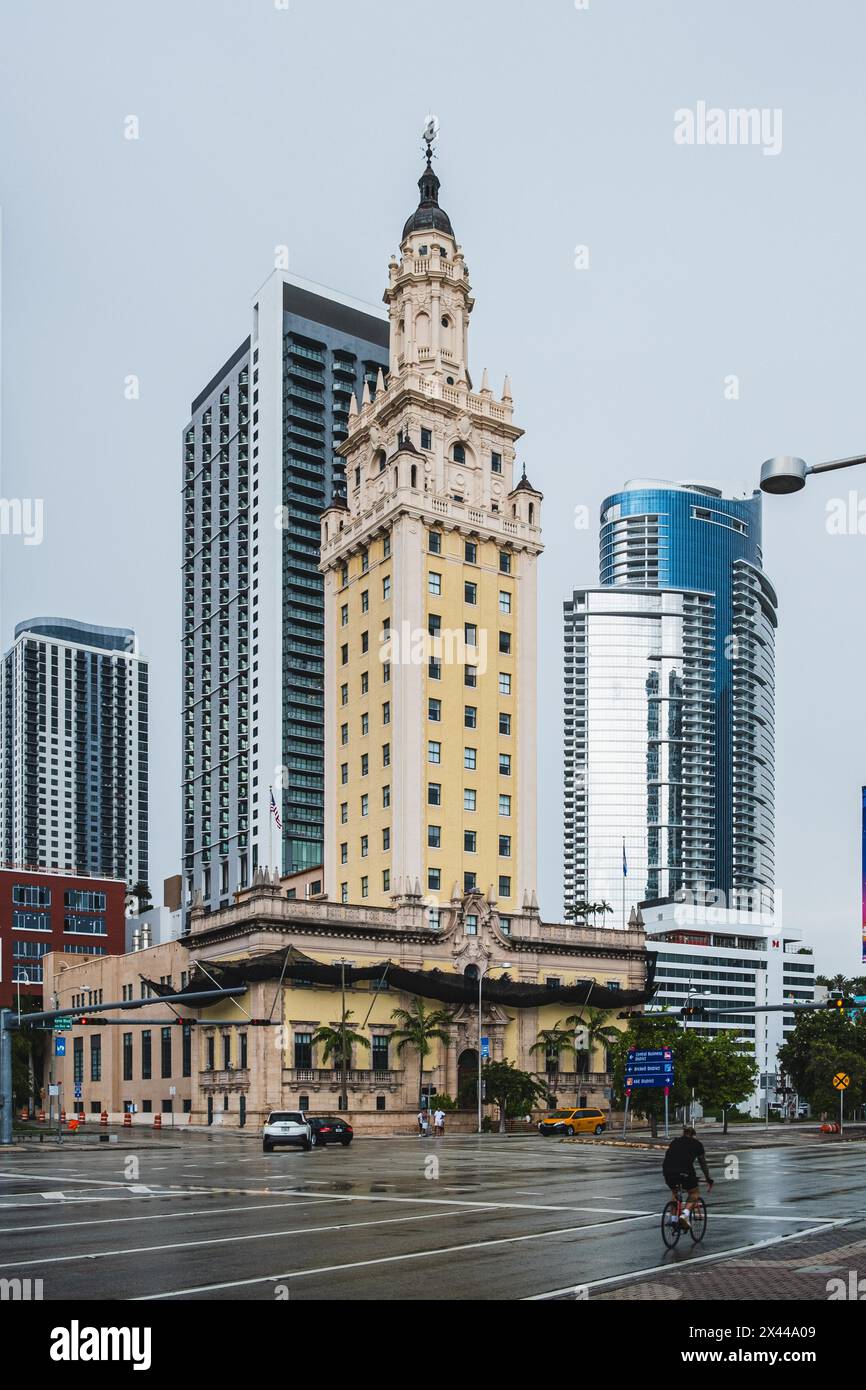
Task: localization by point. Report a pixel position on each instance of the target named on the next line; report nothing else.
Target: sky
(714, 317)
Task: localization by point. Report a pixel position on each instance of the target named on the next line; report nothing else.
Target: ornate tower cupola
(428, 294)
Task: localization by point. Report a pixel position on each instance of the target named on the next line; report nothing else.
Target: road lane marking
(215, 1240)
(385, 1259)
(158, 1216)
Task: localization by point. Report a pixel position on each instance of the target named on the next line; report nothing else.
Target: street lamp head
(783, 474)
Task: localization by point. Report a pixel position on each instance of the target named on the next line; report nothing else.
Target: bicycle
(671, 1229)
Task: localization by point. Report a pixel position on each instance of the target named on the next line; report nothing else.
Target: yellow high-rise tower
(430, 612)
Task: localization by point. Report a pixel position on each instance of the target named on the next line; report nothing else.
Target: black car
(330, 1130)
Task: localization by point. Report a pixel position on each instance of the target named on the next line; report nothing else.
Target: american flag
(275, 811)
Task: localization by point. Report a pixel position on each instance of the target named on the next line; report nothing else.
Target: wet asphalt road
(212, 1217)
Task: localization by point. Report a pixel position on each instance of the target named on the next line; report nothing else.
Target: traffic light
(694, 1011)
(836, 1000)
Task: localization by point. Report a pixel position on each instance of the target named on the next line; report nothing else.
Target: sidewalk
(798, 1268)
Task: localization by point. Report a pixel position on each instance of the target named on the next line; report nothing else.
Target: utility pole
(5, 1077)
(344, 1099)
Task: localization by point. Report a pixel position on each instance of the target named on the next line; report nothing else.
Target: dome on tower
(428, 216)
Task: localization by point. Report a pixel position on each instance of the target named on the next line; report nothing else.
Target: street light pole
(344, 1097)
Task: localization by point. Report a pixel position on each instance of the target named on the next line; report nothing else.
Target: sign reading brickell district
(649, 1067)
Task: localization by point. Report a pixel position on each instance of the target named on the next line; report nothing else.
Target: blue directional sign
(59, 1047)
(649, 1067)
(485, 1049)
(78, 1090)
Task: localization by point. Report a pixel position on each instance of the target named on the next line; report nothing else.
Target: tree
(515, 1092)
(823, 1065)
(692, 1071)
(140, 891)
(828, 1031)
(728, 1073)
(339, 1041)
(554, 1041)
(419, 1028)
(598, 1032)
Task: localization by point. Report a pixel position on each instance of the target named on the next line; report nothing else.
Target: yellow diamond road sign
(841, 1081)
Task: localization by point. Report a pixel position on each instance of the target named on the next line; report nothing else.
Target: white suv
(286, 1127)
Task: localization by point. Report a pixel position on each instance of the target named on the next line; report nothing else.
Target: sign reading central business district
(649, 1067)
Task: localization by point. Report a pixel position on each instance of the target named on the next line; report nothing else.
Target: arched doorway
(467, 1079)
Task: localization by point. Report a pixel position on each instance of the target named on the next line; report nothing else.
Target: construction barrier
(63, 1117)
(157, 1122)
(103, 1119)
(41, 1117)
(24, 1115)
(127, 1119)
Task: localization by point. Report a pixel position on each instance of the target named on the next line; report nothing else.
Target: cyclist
(678, 1169)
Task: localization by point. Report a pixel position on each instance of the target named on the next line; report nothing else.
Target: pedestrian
(439, 1121)
(423, 1124)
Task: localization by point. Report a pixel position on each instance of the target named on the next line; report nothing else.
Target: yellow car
(573, 1122)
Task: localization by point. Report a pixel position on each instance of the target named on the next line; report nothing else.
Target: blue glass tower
(689, 536)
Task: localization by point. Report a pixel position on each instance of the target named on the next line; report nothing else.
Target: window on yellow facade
(365, 804)
(344, 773)
(504, 683)
(434, 669)
(434, 879)
(386, 755)
(504, 886)
(365, 601)
(434, 542)
(365, 887)
(365, 682)
(470, 921)
(365, 764)
(344, 853)
(505, 723)
(344, 654)
(470, 592)
(386, 837)
(470, 841)
(365, 642)
(386, 712)
(505, 643)
(434, 794)
(505, 805)
(434, 710)
(386, 796)
(470, 676)
(386, 880)
(504, 562)
(505, 846)
(386, 548)
(470, 716)
(365, 561)
(505, 764)
(365, 846)
(386, 587)
(504, 601)
(434, 836)
(365, 724)
(344, 812)
(344, 694)
(434, 751)
(344, 892)
(344, 733)
(434, 583)
(386, 671)
(344, 615)
(470, 634)
(470, 552)
(469, 799)
(470, 756)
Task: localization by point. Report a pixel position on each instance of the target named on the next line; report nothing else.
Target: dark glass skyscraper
(685, 696)
(259, 469)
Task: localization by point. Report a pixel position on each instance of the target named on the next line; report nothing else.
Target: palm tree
(581, 909)
(597, 1031)
(553, 1042)
(603, 907)
(419, 1028)
(339, 1041)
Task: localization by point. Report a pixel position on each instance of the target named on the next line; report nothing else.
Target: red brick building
(44, 910)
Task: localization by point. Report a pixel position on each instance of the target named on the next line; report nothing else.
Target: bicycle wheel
(698, 1224)
(670, 1225)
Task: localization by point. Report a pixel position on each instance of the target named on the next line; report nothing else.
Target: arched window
(459, 453)
(414, 475)
(471, 972)
(396, 475)
(531, 513)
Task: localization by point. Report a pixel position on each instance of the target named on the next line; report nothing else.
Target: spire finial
(429, 135)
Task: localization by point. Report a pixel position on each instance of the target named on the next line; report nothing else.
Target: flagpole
(271, 824)
(624, 877)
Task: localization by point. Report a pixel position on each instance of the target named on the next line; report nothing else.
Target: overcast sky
(262, 125)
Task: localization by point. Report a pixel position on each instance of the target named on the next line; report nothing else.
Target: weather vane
(430, 134)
